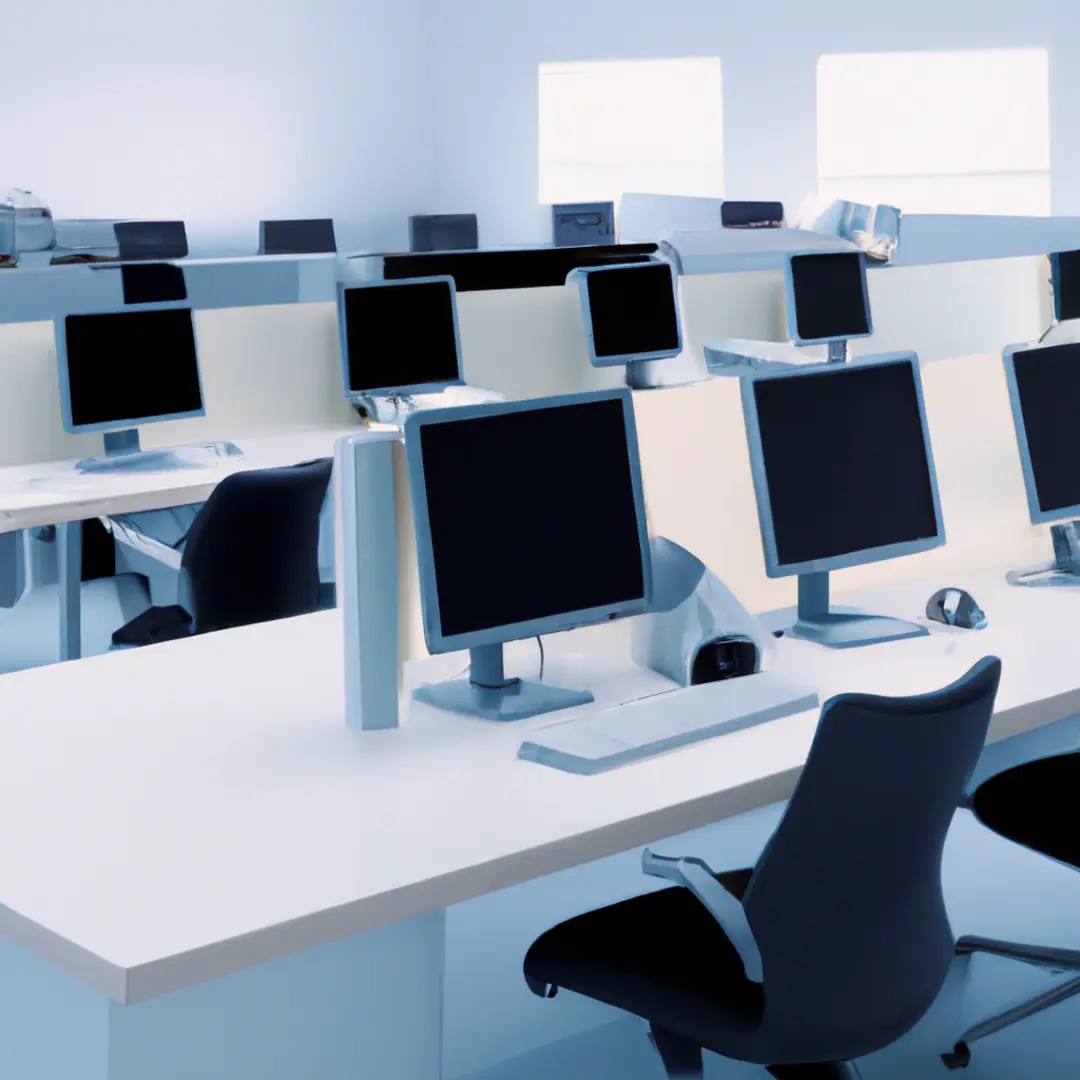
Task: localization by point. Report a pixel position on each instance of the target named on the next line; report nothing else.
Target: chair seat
(633, 956)
(1035, 804)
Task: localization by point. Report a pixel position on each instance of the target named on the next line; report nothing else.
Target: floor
(30, 631)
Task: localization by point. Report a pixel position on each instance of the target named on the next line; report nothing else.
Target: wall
(485, 82)
(222, 113)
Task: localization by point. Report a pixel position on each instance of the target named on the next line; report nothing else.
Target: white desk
(55, 494)
(207, 811)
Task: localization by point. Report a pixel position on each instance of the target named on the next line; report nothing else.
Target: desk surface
(205, 808)
(53, 492)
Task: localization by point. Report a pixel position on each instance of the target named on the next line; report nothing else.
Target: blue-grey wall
(221, 112)
(485, 74)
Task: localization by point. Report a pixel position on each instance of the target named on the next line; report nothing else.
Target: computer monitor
(1065, 278)
(120, 369)
(530, 520)
(631, 313)
(443, 232)
(827, 297)
(1044, 392)
(310, 236)
(151, 240)
(399, 338)
(844, 475)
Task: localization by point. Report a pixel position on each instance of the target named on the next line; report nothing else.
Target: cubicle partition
(270, 362)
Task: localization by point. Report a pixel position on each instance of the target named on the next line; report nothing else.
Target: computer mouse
(955, 607)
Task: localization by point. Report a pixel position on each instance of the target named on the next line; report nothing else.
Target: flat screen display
(532, 514)
(633, 311)
(131, 366)
(1048, 391)
(1067, 285)
(830, 297)
(846, 462)
(400, 335)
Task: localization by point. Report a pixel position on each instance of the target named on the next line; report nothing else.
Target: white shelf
(42, 293)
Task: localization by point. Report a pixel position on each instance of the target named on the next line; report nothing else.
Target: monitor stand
(838, 353)
(488, 694)
(123, 455)
(1064, 571)
(843, 628)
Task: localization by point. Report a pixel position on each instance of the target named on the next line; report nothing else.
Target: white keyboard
(641, 729)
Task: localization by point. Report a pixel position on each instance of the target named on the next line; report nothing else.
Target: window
(609, 127)
(936, 133)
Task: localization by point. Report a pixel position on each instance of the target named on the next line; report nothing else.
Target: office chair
(1034, 804)
(837, 942)
(251, 556)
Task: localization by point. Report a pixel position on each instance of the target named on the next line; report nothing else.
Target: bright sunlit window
(936, 133)
(609, 127)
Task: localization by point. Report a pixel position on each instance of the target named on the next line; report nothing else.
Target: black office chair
(1037, 805)
(252, 555)
(837, 942)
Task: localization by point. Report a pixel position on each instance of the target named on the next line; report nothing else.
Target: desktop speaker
(696, 631)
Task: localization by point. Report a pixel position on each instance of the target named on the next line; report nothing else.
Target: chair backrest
(846, 900)
(252, 554)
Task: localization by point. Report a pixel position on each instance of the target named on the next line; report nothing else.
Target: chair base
(683, 1060)
(960, 1055)
(837, 1070)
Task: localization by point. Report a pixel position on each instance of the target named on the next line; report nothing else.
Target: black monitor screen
(1067, 286)
(131, 365)
(1048, 388)
(633, 310)
(830, 296)
(845, 461)
(400, 335)
(532, 514)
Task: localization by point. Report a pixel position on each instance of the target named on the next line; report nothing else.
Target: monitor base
(1045, 577)
(488, 694)
(1064, 571)
(200, 456)
(517, 700)
(395, 408)
(843, 628)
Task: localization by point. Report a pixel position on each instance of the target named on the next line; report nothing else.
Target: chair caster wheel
(959, 1057)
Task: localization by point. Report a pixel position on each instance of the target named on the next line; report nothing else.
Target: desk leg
(69, 556)
(365, 1008)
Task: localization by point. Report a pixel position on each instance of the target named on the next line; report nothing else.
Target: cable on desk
(539, 678)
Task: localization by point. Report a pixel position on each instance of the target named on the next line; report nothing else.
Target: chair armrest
(125, 534)
(695, 875)
(1039, 955)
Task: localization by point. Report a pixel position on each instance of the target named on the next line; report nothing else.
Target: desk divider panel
(31, 429)
(265, 370)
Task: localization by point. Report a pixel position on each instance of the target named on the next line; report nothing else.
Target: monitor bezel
(582, 274)
(60, 335)
(406, 389)
(1036, 513)
(789, 298)
(773, 567)
(436, 641)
